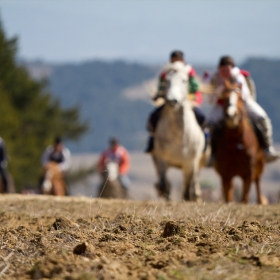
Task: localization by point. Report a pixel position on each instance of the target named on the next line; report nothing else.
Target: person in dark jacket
(3, 165)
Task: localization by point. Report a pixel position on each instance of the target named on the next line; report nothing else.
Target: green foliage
(30, 117)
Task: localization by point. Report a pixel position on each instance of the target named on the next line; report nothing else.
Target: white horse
(179, 140)
(111, 186)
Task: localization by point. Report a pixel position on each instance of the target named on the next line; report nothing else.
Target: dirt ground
(82, 238)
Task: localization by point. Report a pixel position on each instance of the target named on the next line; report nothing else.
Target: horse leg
(59, 187)
(228, 189)
(163, 185)
(261, 198)
(192, 186)
(246, 189)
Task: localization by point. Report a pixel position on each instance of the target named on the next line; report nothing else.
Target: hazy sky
(146, 30)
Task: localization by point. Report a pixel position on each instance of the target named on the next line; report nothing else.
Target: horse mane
(177, 66)
(231, 84)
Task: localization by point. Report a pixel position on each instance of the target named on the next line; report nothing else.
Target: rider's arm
(162, 86)
(194, 93)
(193, 83)
(65, 165)
(101, 163)
(211, 86)
(244, 87)
(125, 162)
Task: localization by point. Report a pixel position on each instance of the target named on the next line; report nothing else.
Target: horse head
(233, 105)
(177, 84)
(112, 168)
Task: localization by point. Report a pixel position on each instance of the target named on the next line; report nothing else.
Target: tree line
(30, 116)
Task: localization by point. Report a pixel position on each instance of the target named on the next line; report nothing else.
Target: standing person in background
(116, 153)
(57, 158)
(3, 165)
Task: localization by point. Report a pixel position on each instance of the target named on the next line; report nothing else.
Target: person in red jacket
(119, 154)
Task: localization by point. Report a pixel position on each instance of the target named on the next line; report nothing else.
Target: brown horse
(54, 183)
(237, 150)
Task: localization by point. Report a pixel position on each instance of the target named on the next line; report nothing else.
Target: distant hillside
(113, 96)
(98, 87)
(265, 73)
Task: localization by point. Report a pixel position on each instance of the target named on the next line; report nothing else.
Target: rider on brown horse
(192, 92)
(58, 155)
(228, 71)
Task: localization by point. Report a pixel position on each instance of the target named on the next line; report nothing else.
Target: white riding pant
(254, 111)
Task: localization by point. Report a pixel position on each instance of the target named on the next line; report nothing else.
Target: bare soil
(71, 238)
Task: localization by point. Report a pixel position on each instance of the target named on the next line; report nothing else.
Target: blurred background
(91, 67)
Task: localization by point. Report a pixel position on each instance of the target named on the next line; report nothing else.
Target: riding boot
(150, 145)
(206, 132)
(265, 128)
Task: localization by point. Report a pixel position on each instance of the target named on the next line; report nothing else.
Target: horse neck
(236, 134)
(183, 119)
(189, 116)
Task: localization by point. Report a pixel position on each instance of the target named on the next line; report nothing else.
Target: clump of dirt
(80, 248)
(63, 223)
(71, 267)
(171, 228)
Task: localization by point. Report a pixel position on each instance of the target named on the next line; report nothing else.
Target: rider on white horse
(118, 154)
(192, 90)
(178, 138)
(228, 71)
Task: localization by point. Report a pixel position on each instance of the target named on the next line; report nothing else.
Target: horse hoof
(263, 201)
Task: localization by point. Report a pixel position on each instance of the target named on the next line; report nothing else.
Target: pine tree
(30, 116)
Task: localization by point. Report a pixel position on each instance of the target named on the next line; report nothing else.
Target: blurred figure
(119, 155)
(191, 91)
(227, 71)
(56, 162)
(3, 165)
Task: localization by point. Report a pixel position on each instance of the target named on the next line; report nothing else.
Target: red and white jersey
(120, 155)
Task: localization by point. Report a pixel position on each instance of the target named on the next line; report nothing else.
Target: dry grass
(115, 239)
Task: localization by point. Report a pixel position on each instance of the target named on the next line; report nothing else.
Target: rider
(119, 154)
(228, 71)
(3, 165)
(192, 90)
(57, 154)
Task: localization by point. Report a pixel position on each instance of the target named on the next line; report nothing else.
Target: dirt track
(82, 238)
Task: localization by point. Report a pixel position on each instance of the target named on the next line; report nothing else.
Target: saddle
(217, 129)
